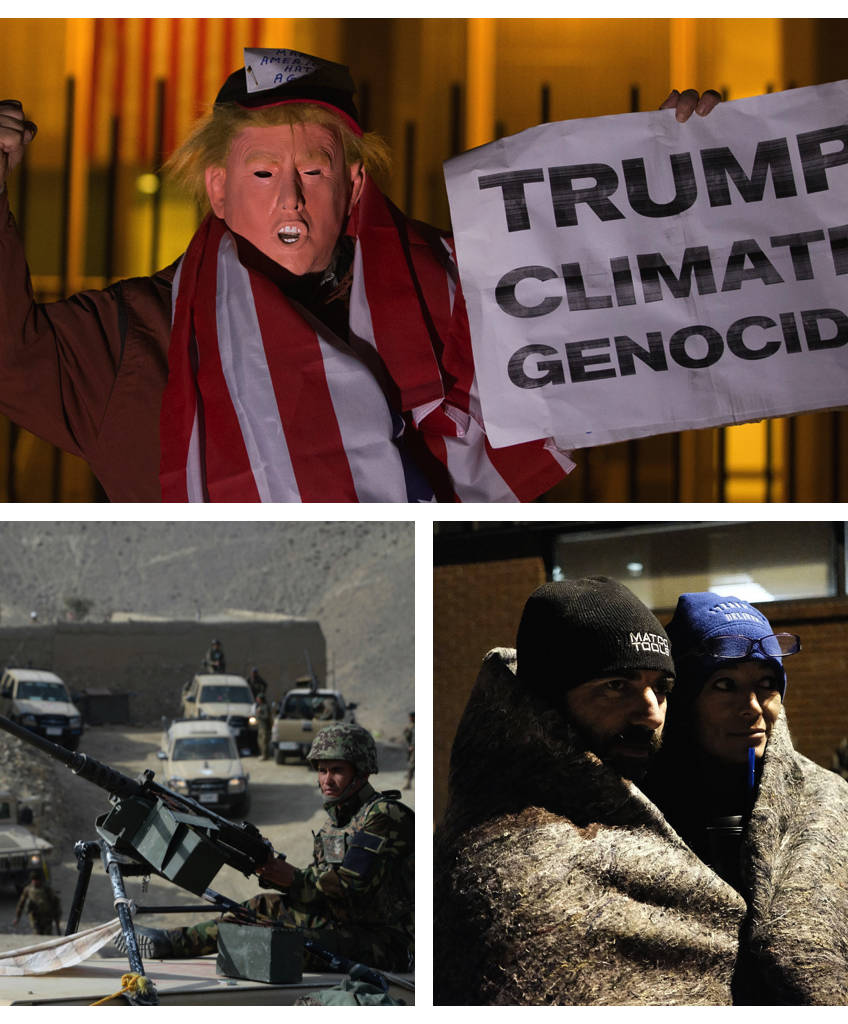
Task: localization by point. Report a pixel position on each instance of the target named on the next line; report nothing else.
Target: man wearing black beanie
(593, 650)
(557, 882)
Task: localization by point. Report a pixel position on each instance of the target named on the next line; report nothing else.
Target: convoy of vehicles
(303, 713)
(200, 758)
(224, 697)
(21, 851)
(203, 763)
(38, 700)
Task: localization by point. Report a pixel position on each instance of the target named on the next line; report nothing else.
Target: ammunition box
(258, 953)
(164, 839)
(120, 825)
(182, 855)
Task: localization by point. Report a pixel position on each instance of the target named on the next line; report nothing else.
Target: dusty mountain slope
(357, 579)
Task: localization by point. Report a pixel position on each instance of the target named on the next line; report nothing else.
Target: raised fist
(15, 135)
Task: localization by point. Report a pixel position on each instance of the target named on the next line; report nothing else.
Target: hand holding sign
(15, 135)
(687, 103)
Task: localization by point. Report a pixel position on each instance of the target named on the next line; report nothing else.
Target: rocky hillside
(357, 579)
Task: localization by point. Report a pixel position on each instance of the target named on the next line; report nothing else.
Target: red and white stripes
(265, 403)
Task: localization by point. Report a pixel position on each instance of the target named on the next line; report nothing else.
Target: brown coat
(87, 374)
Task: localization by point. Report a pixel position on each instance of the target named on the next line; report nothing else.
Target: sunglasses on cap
(776, 645)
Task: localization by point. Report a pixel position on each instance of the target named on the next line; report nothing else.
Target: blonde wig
(209, 142)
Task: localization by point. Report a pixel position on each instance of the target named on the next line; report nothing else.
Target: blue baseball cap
(703, 615)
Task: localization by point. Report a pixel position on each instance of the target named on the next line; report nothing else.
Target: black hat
(271, 77)
(577, 630)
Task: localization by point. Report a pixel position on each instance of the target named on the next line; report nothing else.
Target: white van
(39, 701)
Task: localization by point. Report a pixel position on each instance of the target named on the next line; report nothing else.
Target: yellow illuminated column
(79, 54)
(480, 87)
(683, 64)
(278, 32)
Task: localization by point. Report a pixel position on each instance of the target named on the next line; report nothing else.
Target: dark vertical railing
(66, 182)
(721, 468)
(634, 99)
(632, 471)
(456, 133)
(409, 168)
(112, 196)
(791, 474)
(545, 106)
(56, 481)
(159, 156)
(675, 468)
(11, 489)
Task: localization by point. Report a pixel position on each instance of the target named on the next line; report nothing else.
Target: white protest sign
(628, 276)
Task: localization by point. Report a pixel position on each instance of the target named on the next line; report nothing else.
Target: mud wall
(154, 659)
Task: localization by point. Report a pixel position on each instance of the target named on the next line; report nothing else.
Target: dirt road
(286, 806)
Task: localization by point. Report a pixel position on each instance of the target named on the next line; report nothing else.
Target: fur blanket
(794, 945)
(559, 883)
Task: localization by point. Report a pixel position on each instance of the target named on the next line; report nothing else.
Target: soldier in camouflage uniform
(257, 684)
(41, 904)
(214, 660)
(356, 898)
(263, 718)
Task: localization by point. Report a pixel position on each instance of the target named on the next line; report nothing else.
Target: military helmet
(345, 741)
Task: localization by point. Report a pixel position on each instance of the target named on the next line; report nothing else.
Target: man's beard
(607, 748)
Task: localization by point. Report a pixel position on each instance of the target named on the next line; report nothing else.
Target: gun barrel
(244, 848)
(53, 749)
(80, 764)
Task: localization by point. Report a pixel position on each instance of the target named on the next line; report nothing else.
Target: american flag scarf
(266, 403)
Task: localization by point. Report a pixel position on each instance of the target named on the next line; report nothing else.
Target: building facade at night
(113, 98)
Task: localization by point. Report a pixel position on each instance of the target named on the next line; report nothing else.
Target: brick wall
(475, 608)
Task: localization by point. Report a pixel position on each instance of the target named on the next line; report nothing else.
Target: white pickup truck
(228, 698)
(38, 700)
(203, 763)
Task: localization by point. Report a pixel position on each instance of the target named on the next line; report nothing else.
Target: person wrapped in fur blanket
(559, 881)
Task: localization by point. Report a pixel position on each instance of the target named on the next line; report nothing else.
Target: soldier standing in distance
(214, 661)
(41, 904)
(257, 684)
(356, 898)
(263, 717)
